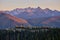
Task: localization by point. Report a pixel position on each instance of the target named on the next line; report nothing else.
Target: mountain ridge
(33, 12)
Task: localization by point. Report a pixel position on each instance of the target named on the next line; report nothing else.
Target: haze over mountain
(36, 16)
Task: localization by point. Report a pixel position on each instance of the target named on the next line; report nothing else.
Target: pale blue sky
(12, 4)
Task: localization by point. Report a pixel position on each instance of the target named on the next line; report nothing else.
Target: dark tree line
(30, 34)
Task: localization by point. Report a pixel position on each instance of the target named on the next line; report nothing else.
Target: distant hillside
(8, 21)
(52, 21)
(45, 21)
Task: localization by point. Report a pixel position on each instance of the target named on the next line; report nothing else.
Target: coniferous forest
(22, 33)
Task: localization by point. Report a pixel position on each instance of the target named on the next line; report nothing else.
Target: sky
(12, 4)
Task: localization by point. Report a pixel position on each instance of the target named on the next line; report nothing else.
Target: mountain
(37, 16)
(28, 13)
(9, 21)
